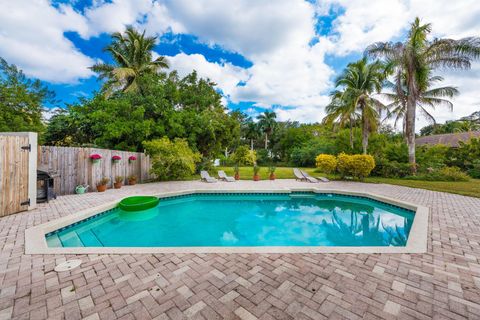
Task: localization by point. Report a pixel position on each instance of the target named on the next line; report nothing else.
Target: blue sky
(281, 55)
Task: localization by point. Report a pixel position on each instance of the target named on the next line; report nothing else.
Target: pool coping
(35, 241)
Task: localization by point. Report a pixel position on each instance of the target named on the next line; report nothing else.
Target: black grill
(45, 184)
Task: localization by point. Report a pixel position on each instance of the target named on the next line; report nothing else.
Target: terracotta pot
(102, 188)
(272, 176)
(256, 177)
(132, 182)
(237, 176)
(117, 185)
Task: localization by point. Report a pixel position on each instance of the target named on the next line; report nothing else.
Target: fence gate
(14, 173)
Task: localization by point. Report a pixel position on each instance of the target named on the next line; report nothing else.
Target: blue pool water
(297, 219)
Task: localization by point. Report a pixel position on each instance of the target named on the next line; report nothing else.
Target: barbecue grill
(45, 185)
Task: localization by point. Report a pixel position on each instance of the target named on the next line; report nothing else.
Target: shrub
(171, 160)
(444, 174)
(357, 165)
(326, 163)
(474, 172)
(362, 165)
(391, 169)
(244, 156)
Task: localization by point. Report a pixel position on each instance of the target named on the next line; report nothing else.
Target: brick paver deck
(443, 283)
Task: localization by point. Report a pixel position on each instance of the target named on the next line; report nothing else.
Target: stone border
(35, 241)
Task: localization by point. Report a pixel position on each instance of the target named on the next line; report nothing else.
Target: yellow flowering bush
(326, 163)
(357, 165)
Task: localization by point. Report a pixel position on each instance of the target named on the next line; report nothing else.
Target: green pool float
(138, 203)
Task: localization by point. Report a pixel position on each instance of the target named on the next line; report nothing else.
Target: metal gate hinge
(25, 203)
(29, 147)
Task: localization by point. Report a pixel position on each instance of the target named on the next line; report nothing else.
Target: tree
(171, 160)
(342, 112)
(414, 60)
(360, 81)
(251, 132)
(132, 55)
(22, 100)
(267, 123)
(431, 97)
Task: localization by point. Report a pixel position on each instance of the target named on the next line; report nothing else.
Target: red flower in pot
(95, 157)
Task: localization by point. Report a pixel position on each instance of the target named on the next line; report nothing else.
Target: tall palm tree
(342, 111)
(415, 59)
(429, 98)
(267, 123)
(360, 82)
(132, 55)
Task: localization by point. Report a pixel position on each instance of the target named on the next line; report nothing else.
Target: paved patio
(443, 283)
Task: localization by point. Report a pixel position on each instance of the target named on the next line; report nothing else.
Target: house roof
(448, 139)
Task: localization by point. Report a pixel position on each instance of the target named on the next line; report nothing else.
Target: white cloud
(226, 75)
(31, 36)
(109, 17)
(252, 29)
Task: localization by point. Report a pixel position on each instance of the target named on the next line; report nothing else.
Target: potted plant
(272, 169)
(256, 170)
(102, 184)
(236, 170)
(118, 182)
(132, 159)
(132, 180)
(116, 159)
(95, 158)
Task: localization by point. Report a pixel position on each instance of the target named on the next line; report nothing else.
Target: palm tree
(361, 81)
(132, 55)
(267, 123)
(251, 132)
(342, 112)
(415, 59)
(429, 98)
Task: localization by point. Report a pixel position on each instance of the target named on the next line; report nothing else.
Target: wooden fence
(14, 174)
(74, 167)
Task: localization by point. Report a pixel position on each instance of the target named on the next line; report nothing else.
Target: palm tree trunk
(251, 144)
(266, 140)
(351, 135)
(410, 126)
(364, 132)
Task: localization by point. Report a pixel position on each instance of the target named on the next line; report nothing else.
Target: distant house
(448, 139)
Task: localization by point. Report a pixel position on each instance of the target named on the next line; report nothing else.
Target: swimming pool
(294, 219)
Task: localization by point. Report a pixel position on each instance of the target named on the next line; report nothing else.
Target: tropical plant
(412, 63)
(342, 112)
(431, 97)
(360, 81)
(132, 55)
(267, 122)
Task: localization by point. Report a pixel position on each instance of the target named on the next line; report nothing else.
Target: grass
(467, 188)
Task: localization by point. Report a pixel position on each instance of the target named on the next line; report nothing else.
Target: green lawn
(469, 188)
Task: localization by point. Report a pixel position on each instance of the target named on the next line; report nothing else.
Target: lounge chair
(323, 179)
(223, 176)
(206, 177)
(309, 177)
(299, 175)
